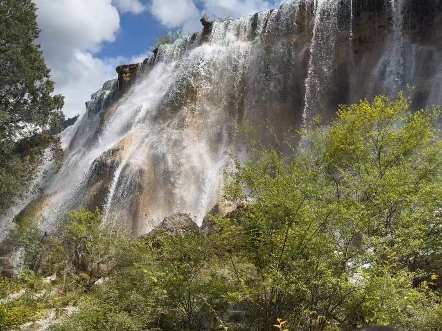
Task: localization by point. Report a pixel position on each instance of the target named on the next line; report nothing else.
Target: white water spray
(321, 58)
(159, 148)
(390, 70)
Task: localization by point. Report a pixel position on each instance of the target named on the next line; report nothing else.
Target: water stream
(160, 148)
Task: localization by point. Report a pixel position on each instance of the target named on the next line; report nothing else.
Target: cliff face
(152, 142)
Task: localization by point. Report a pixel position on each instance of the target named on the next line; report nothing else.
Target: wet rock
(155, 52)
(207, 23)
(127, 74)
(69, 122)
(207, 28)
(178, 224)
(101, 100)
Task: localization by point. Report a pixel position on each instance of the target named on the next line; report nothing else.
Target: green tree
(350, 206)
(30, 116)
(338, 232)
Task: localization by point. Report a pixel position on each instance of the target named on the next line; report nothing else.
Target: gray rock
(178, 224)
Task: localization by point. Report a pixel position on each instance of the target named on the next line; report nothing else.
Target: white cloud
(81, 24)
(71, 32)
(184, 13)
(85, 74)
(174, 13)
(80, 76)
(133, 6)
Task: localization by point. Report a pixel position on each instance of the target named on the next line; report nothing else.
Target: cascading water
(391, 68)
(158, 147)
(351, 18)
(321, 58)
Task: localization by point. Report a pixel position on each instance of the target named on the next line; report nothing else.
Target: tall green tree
(351, 206)
(30, 116)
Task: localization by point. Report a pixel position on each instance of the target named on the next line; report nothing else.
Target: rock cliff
(152, 142)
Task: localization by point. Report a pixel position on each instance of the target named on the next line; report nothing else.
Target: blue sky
(136, 33)
(83, 41)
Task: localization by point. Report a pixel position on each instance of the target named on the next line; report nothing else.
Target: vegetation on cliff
(340, 231)
(30, 116)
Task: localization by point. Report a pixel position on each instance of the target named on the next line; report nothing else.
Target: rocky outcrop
(69, 122)
(102, 99)
(177, 224)
(209, 225)
(207, 28)
(127, 74)
(265, 69)
(207, 23)
(7, 267)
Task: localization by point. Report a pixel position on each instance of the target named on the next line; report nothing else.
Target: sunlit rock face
(156, 146)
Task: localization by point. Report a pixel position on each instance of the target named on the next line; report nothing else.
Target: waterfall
(395, 67)
(390, 71)
(321, 58)
(158, 146)
(351, 19)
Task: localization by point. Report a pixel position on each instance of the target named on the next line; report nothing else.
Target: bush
(340, 232)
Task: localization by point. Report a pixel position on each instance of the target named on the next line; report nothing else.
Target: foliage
(338, 232)
(19, 303)
(82, 250)
(344, 201)
(30, 117)
(169, 37)
(162, 283)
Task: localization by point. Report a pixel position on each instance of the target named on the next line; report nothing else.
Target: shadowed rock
(6, 263)
(126, 75)
(209, 226)
(7, 267)
(9, 273)
(207, 23)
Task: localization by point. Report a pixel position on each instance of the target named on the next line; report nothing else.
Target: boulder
(6, 263)
(9, 273)
(7, 267)
(178, 224)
